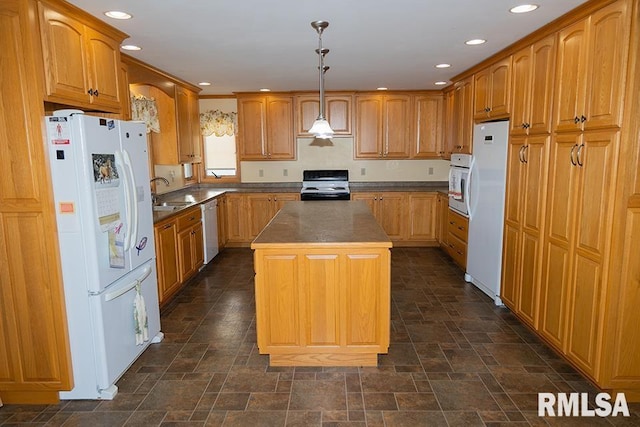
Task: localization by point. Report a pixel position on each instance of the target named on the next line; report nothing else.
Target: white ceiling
(245, 45)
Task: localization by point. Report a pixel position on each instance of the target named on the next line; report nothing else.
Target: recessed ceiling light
(441, 83)
(443, 65)
(130, 47)
(383, 88)
(116, 14)
(264, 89)
(473, 42)
(524, 8)
(204, 84)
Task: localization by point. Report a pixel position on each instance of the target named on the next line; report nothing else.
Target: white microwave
(459, 180)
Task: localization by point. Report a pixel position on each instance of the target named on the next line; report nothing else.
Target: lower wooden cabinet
(442, 218)
(457, 238)
(179, 251)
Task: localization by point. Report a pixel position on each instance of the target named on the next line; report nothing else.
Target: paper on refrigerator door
(107, 190)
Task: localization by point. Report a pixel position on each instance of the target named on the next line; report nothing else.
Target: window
(218, 123)
(220, 155)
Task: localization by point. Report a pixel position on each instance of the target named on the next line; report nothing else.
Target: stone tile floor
(455, 360)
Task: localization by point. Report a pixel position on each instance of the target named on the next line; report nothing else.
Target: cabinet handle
(579, 155)
(520, 152)
(460, 228)
(524, 154)
(451, 222)
(573, 162)
(167, 226)
(459, 253)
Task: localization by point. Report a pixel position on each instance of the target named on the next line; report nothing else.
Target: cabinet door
(252, 113)
(428, 130)
(543, 60)
(521, 92)
(442, 218)
(500, 88)
(482, 82)
(571, 77)
(236, 218)
(608, 44)
(260, 212)
(392, 210)
(371, 199)
(188, 124)
(280, 141)
(279, 200)
(64, 50)
(104, 68)
(397, 120)
(197, 243)
(222, 221)
(368, 142)
(448, 142)
(422, 214)
(185, 254)
(463, 116)
(337, 112)
(167, 260)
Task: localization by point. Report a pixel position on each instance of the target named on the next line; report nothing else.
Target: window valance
(145, 110)
(218, 123)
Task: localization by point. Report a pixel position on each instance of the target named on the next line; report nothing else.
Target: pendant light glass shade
(321, 128)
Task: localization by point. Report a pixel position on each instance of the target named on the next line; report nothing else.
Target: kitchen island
(322, 285)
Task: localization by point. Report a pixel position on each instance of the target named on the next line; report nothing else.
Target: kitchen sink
(170, 206)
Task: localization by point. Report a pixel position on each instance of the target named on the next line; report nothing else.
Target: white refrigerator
(486, 207)
(100, 174)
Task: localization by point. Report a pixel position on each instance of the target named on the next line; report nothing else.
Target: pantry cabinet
(383, 126)
(81, 58)
(265, 127)
(527, 161)
(35, 360)
(592, 59)
(532, 88)
(338, 112)
(492, 91)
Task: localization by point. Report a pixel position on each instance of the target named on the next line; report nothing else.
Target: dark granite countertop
(323, 223)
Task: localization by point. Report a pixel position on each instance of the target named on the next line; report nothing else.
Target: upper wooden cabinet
(591, 60)
(458, 118)
(338, 112)
(427, 121)
(188, 126)
(265, 127)
(492, 87)
(532, 85)
(81, 58)
(383, 126)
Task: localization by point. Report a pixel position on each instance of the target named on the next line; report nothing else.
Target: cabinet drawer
(193, 216)
(457, 250)
(458, 226)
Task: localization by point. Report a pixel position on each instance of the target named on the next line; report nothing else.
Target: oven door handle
(467, 187)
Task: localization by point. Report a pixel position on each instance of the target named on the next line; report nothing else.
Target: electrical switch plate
(260, 173)
(430, 171)
(363, 171)
(285, 172)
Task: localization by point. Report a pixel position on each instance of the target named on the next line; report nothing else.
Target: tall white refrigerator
(486, 207)
(100, 173)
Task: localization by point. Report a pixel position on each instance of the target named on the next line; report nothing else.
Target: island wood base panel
(30, 397)
(324, 359)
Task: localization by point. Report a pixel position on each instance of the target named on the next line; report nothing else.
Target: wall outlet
(363, 171)
(430, 171)
(260, 173)
(285, 172)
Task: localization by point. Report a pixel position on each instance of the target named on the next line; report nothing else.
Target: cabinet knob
(583, 119)
(576, 120)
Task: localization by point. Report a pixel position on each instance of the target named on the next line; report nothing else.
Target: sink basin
(170, 206)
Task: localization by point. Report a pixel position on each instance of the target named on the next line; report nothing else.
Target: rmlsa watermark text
(577, 405)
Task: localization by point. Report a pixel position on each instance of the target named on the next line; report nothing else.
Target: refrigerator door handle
(133, 203)
(123, 290)
(127, 199)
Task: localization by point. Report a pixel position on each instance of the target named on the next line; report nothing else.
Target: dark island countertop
(322, 223)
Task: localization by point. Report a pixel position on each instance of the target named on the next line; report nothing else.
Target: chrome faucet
(154, 198)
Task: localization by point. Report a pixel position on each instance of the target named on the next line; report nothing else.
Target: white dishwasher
(210, 229)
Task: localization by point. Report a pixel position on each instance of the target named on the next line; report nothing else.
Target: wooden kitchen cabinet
(458, 122)
(592, 57)
(338, 112)
(390, 210)
(423, 218)
(383, 126)
(527, 162)
(262, 207)
(188, 126)
(448, 138)
(265, 127)
(492, 91)
(221, 210)
(442, 219)
(35, 359)
(81, 57)
(457, 238)
(167, 265)
(427, 122)
(532, 88)
(190, 242)
(578, 231)
(237, 219)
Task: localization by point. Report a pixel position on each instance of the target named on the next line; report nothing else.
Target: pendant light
(321, 128)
